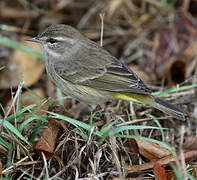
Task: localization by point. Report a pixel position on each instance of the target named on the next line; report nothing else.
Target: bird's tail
(157, 103)
(170, 109)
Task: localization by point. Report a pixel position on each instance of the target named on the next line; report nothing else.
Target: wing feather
(99, 70)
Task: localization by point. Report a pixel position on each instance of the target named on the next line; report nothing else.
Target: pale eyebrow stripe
(64, 39)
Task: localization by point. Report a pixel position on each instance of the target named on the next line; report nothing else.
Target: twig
(13, 102)
(14, 165)
(2, 68)
(102, 27)
(140, 120)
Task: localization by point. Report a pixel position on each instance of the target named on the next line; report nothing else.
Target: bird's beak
(34, 39)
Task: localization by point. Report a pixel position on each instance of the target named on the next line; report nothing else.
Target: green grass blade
(4, 143)
(20, 113)
(173, 90)
(39, 125)
(74, 122)
(59, 97)
(18, 104)
(147, 139)
(107, 129)
(159, 125)
(14, 130)
(123, 128)
(2, 110)
(25, 123)
(82, 134)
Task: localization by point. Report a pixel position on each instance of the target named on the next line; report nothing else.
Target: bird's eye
(52, 40)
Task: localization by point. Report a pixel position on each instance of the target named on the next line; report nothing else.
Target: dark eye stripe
(51, 40)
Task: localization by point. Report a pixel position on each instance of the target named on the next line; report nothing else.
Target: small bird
(84, 70)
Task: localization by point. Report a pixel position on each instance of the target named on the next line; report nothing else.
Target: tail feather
(157, 103)
(170, 109)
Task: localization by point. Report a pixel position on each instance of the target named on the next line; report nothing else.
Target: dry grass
(156, 39)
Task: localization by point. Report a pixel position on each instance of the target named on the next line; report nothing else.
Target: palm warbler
(86, 71)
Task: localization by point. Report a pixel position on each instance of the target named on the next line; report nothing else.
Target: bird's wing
(99, 70)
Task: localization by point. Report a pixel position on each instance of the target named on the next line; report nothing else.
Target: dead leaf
(170, 62)
(47, 142)
(176, 73)
(48, 139)
(194, 173)
(191, 143)
(166, 161)
(21, 62)
(131, 146)
(189, 155)
(178, 70)
(190, 51)
(141, 167)
(151, 150)
(159, 172)
(171, 175)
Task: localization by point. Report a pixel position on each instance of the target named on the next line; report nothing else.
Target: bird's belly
(82, 93)
(86, 94)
